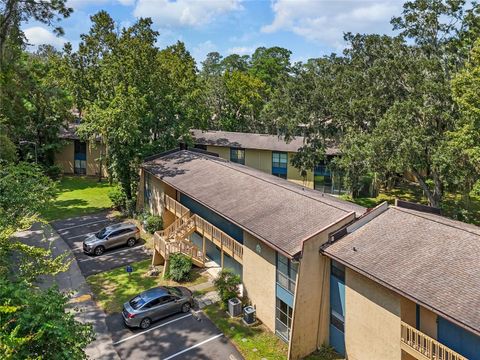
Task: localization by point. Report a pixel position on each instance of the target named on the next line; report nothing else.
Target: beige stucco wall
(159, 188)
(64, 157)
(372, 320)
(94, 152)
(259, 159)
(293, 174)
(312, 296)
(428, 322)
(259, 277)
(408, 311)
(222, 151)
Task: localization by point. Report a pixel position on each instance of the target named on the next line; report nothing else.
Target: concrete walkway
(72, 281)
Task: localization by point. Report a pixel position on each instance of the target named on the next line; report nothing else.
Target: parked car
(111, 236)
(156, 303)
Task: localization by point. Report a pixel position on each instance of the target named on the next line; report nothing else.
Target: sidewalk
(72, 280)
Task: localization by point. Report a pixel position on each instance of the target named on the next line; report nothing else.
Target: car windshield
(102, 233)
(137, 302)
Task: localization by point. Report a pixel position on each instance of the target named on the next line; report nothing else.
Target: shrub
(179, 267)
(130, 207)
(153, 223)
(227, 284)
(53, 172)
(117, 197)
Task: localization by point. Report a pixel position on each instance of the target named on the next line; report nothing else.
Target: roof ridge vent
(418, 207)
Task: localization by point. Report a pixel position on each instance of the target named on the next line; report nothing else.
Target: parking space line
(153, 328)
(193, 347)
(109, 253)
(77, 236)
(90, 223)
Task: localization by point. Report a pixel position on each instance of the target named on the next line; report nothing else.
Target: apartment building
(388, 283)
(80, 157)
(266, 229)
(405, 284)
(270, 154)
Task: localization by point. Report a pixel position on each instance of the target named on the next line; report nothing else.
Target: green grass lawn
(78, 196)
(254, 342)
(113, 288)
(454, 205)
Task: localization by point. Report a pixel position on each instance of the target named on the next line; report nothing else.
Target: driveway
(182, 336)
(74, 230)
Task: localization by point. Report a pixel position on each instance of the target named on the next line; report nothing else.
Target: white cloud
(200, 51)
(326, 21)
(38, 35)
(242, 50)
(178, 13)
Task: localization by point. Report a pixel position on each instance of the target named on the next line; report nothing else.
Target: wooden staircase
(174, 239)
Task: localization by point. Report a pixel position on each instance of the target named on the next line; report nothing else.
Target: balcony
(421, 346)
(185, 225)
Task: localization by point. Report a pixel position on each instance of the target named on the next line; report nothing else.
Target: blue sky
(309, 28)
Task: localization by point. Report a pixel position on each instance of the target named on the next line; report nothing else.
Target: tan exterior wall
(312, 305)
(259, 159)
(159, 188)
(94, 152)
(408, 311)
(372, 320)
(223, 152)
(293, 174)
(259, 277)
(428, 322)
(64, 157)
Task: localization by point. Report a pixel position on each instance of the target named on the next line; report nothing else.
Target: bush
(117, 197)
(130, 207)
(153, 223)
(227, 284)
(53, 172)
(179, 267)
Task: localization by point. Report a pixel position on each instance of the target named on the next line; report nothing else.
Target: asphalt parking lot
(74, 231)
(182, 336)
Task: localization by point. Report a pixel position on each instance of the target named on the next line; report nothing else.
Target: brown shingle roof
(274, 210)
(252, 141)
(431, 259)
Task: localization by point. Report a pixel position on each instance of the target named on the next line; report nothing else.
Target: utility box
(249, 316)
(234, 307)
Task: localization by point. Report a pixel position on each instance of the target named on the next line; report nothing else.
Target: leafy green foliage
(34, 324)
(117, 197)
(179, 267)
(8, 150)
(227, 284)
(153, 223)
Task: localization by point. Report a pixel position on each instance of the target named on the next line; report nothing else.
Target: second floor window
(286, 273)
(237, 155)
(279, 164)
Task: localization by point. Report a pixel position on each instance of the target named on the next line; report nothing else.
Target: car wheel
(186, 307)
(131, 242)
(99, 250)
(145, 323)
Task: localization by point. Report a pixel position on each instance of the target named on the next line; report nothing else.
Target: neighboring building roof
(69, 132)
(272, 209)
(425, 257)
(252, 141)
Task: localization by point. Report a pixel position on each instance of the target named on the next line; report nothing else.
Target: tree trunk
(433, 197)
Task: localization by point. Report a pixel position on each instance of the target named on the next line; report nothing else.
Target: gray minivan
(111, 236)
(156, 303)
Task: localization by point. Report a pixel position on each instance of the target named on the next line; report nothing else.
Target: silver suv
(155, 304)
(111, 236)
